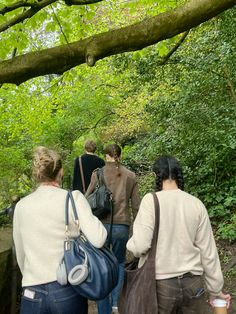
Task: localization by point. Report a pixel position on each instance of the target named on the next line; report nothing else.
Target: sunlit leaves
(130, 119)
(185, 107)
(162, 49)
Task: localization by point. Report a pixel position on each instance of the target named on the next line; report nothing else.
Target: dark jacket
(124, 189)
(89, 164)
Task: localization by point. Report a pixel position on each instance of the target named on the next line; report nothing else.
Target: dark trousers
(181, 295)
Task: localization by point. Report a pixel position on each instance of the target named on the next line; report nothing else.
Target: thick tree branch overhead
(25, 15)
(33, 8)
(130, 38)
(14, 6)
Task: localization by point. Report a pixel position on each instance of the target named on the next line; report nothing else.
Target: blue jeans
(52, 298)
(120, 236)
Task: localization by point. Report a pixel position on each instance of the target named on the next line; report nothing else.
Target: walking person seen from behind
(186, 251)
(123, 185)
(89, 162)
(39, 232)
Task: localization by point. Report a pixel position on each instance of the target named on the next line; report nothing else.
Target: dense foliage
(149, 102)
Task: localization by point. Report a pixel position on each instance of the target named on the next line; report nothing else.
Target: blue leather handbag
(92, 272)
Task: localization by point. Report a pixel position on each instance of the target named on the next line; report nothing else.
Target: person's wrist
(216, 294)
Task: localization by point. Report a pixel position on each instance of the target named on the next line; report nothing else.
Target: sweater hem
(173, 275)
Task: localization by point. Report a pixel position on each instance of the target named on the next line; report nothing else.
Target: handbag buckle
(67, 245)
(82, 237)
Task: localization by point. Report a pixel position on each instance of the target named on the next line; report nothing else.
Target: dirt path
(92, 308)
(5, 238)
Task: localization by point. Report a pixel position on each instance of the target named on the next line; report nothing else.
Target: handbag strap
(69, 197)
(82, 174)
(101, 181)
(152, 252)
(100, 176)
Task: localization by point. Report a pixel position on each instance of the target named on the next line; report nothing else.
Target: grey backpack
(100, 200)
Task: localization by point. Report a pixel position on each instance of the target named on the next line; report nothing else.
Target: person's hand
(227, 297)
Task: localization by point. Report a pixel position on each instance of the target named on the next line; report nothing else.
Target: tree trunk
(134, 37)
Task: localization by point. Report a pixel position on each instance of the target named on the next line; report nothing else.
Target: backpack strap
(100, 175)
(82, 174)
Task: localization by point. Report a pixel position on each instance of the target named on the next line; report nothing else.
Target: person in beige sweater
(39, 233)
(186, 250)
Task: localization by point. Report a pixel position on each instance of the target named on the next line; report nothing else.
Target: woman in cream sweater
(39, 232)
(186, 250)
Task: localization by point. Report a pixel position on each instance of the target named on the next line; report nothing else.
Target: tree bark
(133, 37)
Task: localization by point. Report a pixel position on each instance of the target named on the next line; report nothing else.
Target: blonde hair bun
(46, 164)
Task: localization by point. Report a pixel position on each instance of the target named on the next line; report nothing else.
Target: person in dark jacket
(123, 185)
(90, 162)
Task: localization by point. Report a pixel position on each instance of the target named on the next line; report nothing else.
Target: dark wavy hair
(168, 167)
(114, 151)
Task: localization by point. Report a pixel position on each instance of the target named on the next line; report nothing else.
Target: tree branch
(93, 127)
(25, 15)
(230, 83)
(14, 6)
(173, 50)
(59, 24)
(59, 59)
(81, 2)
(102, 118)
(34, 8)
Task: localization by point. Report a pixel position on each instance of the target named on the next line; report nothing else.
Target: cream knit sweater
(39, 232)
(185, 243)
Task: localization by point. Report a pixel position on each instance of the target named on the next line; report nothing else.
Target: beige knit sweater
(185, 243)
(39, 232)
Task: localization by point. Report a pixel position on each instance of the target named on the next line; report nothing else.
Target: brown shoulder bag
(139, 294)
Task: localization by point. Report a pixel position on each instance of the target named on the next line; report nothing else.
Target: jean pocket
(29, 306)
(198, 294)
(194, 288)
(64, 294)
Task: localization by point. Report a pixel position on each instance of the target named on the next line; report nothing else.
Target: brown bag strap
(152, 252)
(82, 174)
